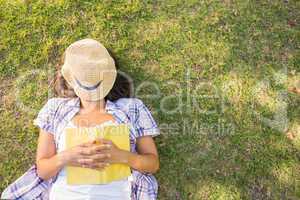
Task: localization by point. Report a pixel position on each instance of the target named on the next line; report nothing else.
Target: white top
(60, 190)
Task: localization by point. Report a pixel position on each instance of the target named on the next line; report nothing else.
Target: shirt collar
(75, 102)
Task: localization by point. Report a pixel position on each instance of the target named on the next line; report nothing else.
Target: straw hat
(89, 69)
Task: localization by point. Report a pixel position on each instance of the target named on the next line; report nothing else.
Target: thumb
(98, 141)
(104, 141)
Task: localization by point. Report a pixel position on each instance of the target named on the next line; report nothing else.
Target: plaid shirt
(55, 115)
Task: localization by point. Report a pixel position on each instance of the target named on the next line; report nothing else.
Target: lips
(93, 87)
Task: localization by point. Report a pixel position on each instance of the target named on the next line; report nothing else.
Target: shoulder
(139, 115)
(129, 101)
(129, 104)
(56, 100)
(59, 100)
(55, 103)
(133, 107)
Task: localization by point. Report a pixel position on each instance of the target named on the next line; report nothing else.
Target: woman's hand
(115, 155)
(89, 154)
(146, 160)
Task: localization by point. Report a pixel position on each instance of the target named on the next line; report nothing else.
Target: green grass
(243, 54)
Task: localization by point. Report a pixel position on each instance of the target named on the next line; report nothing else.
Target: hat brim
(98, 93)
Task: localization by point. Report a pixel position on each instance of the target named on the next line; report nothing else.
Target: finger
(85, 161)
(97, 165)
(98, 141)
(100, 157)
(86, 144)
(75, 164)
(91, 150)
(105, 141)
(100, 165)
(79, 165)
(94, 149)
(101, 147)
(85, 151)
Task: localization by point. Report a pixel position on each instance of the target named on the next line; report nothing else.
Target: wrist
(61, 159)
(124, 157)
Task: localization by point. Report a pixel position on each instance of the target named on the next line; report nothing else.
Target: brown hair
(122, 88)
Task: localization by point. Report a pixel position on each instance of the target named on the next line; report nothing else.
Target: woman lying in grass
(92, 94)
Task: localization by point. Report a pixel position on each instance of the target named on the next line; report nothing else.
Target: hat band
(93, 87)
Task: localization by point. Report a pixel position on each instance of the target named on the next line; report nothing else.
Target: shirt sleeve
(45, 117)
(144, 121)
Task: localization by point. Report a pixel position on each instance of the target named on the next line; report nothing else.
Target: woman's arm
(48, 162)
(146, 160)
